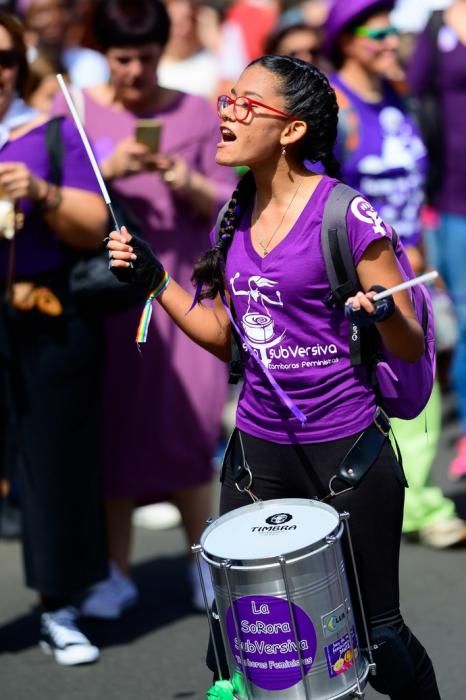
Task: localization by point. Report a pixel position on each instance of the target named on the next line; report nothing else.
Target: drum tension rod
(372, 667)
(196, 549)
(225, 567)
(302, 667)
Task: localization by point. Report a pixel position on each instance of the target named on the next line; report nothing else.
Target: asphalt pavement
(156, 651)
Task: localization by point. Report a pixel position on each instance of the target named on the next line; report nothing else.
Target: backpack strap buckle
(339, 295)
(382, 421)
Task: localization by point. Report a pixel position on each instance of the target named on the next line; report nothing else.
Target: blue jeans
(451, 253)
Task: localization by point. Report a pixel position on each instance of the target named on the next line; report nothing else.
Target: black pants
(54, 372)
(376, 513)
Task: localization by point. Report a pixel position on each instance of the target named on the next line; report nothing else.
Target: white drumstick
(427, 277)
(87, 146)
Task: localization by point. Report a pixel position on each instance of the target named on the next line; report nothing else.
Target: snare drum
(283, 601)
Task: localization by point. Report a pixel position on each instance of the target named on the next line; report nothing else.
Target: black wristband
(146, 272)
(384, 308)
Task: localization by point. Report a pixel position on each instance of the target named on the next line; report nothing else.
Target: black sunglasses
(8, 58)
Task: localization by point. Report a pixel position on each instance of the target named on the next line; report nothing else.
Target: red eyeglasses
(242, 107)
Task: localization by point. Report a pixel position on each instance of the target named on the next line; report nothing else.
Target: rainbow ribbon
(143, 327)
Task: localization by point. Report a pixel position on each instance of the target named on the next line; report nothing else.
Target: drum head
(268, 529)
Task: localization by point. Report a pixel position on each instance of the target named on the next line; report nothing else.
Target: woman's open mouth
(227, 134)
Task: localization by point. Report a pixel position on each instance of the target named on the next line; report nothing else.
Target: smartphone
(148, 132)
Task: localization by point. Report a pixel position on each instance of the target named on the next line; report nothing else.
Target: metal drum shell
(317, 584)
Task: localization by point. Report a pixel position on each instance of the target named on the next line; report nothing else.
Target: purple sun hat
(342, 13)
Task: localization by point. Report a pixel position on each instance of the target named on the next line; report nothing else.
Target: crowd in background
(401, 143)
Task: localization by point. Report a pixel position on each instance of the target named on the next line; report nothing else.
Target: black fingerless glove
(146, 272)
(384, 308)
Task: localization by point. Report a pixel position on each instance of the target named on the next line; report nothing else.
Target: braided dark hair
(308, 96)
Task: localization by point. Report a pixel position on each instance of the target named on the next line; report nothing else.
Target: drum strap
(361, 455)
(235, 457)
(350, 472)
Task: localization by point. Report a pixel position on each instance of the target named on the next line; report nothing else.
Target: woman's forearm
(207, 326)
(80, 219)
(401, 333)
(402, 336)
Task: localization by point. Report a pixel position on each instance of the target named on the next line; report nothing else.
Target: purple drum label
(341, 654)
(266, 645)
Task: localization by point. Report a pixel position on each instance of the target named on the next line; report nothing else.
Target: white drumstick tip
(422, 279)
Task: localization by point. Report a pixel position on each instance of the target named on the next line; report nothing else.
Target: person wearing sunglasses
(50, 354)
(264, 278)
(383, 155)
(378, 144)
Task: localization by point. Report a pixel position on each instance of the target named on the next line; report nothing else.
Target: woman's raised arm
(133, 261)
(401, 332)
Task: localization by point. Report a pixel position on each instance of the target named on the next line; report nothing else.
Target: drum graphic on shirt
(258, 328)
(258, 324)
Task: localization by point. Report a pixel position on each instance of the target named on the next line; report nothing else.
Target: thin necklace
(265, 246)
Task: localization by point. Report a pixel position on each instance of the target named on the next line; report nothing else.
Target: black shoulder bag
(92, 284)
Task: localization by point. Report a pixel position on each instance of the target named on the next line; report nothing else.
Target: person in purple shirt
(379, 144)
(383, 156)
(438, 68)
(268, 263)
(174, 193)
(50, 353)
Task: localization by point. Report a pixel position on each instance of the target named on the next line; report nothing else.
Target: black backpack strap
(335, 246)
(236, 364)
(54, 144)
(341, 272)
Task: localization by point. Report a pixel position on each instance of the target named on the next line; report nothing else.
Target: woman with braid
(302, 405)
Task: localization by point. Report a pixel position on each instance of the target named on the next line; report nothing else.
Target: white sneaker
(159, 516)
(444, 533)
(61, 637)
(197, 595)
(109, 598)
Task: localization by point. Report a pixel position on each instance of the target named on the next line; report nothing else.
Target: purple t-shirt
(279, 303)
(37, 248)
(383, 157)
(443, 70)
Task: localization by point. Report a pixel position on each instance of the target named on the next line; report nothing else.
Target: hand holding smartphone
(149, 132)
